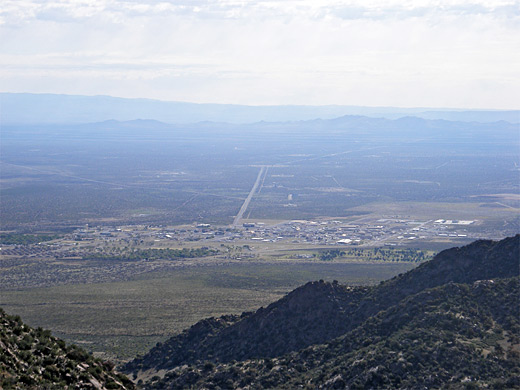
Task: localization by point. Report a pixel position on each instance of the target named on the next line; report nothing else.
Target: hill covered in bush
(34, 359)
(452, 321)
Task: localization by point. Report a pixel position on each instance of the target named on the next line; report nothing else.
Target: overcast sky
(408, 53)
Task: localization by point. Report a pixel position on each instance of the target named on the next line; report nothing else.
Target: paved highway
(243, 209)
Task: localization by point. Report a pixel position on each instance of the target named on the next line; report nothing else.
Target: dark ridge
(480, 260)
(183, 347)
(318, 312)
(483, 259)
(262, 333)
(455, 336)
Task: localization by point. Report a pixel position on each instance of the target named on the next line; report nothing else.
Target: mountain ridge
(344, 308)
(386, 131)
(28, 108)
(433, 339)
(319, 312)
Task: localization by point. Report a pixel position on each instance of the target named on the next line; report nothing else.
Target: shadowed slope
(318, 311)
(455, 336)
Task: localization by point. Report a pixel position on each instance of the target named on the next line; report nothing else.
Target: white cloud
(408, 53)
(19, 11)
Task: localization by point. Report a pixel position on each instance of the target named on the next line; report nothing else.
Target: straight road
(243, 209)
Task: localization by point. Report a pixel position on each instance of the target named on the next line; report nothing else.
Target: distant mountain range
(453, 322)
(26, 108)
(385, 130)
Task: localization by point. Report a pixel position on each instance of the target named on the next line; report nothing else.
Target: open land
(120, 319)
(117, 235)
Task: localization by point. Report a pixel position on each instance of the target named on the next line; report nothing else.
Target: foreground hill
(33, 359)
(318, 311)
(453, 336)
(436, 302)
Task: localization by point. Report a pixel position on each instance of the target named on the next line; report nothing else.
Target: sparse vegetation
(33, 358)
(123, 293)
(431, 338)
(376, 254)
(153, 254)
(25, 239)
(100, 183)
(180, 297)
(439, 324)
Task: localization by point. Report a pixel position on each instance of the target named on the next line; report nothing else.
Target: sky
(402, 53)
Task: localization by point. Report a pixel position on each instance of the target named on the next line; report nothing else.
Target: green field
(121, 319)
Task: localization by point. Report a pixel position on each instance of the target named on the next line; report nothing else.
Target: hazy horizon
(429, 108)
(27, 108)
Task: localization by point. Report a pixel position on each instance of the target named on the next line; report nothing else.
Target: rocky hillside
(289, 324)
(456, 336)
(480, 260)
(34, 359)
(318, 311)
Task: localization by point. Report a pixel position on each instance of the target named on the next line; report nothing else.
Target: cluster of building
(365, 231)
